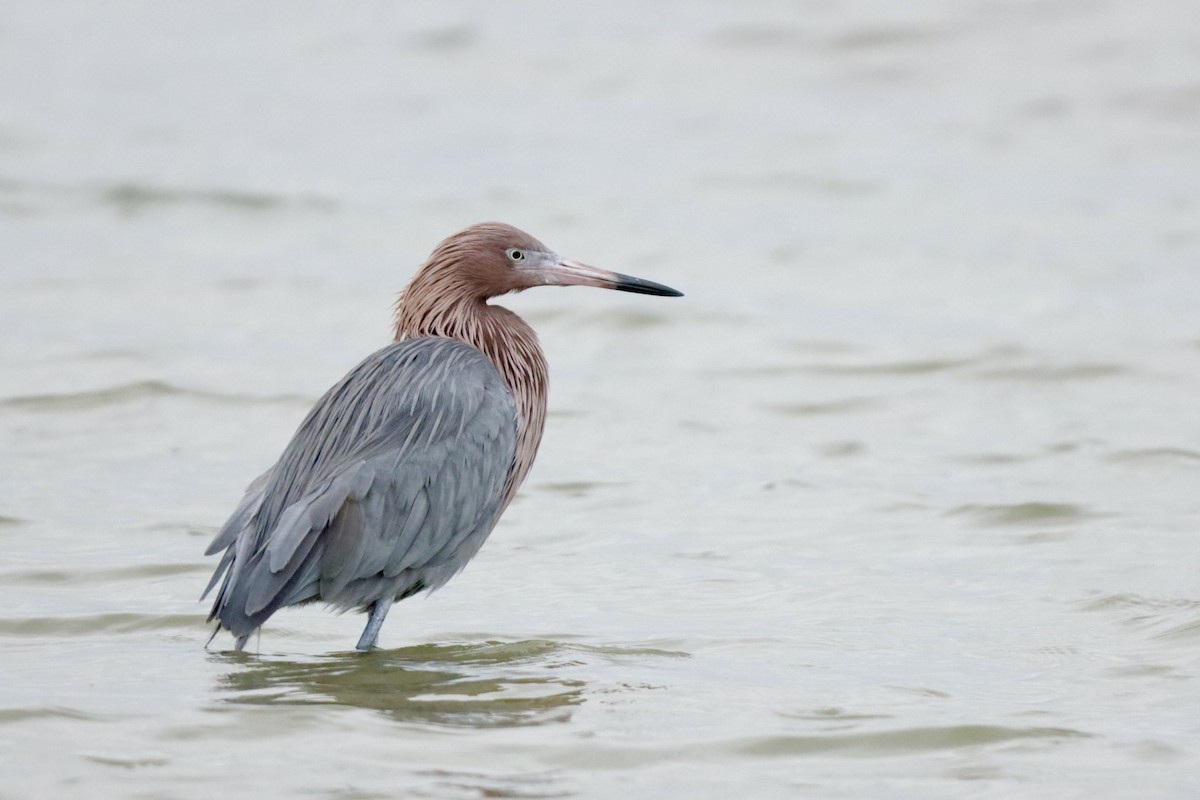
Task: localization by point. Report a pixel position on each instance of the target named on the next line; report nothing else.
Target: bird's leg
(371, 632)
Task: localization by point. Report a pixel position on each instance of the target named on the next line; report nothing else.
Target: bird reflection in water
(474, 685)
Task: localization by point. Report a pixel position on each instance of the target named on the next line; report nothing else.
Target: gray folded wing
(389, 486)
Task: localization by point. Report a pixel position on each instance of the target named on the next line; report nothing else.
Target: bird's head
(491, 259)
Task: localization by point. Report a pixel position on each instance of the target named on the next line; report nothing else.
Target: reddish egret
(402, 469)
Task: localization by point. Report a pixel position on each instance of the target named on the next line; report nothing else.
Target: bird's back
(389, 486)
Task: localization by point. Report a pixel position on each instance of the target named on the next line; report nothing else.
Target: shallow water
(899, 501)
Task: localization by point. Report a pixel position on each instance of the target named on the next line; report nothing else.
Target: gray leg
(371, 632)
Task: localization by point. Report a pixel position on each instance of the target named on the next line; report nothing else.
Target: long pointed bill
(572, 273)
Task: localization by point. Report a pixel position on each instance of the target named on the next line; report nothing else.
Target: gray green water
(899, 502)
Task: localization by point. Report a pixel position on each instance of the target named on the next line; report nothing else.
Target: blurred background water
(900, 500)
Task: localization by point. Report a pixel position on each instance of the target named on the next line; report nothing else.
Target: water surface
(899, 501)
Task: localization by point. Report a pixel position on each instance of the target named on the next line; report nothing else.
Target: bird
(402, 469)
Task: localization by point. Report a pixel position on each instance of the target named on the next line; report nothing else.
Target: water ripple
(1128, 600)
(832, 714)
(138, 390)
(132, 198)
(1168, 619)
(1048, 373)
(1032, 513)
(1156, 456)
(125, 763)
(920, 366)
(547, 784)
(912, 367)
(907, 740)
(90, 624)
(576, 488)
(872, 744)
(87, 575)
(11, 715)
(849, 405)
(885, 36)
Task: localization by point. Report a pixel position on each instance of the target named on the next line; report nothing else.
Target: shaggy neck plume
(438, 303)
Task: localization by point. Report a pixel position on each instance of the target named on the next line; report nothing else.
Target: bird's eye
(515, 255)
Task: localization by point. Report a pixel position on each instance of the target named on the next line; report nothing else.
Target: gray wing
(389, 486)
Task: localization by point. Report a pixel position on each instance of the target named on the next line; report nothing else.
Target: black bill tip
(627, 283)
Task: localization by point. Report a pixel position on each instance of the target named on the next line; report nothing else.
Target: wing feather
(392, 482)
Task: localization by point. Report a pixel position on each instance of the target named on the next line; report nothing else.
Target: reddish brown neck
(507, 341)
